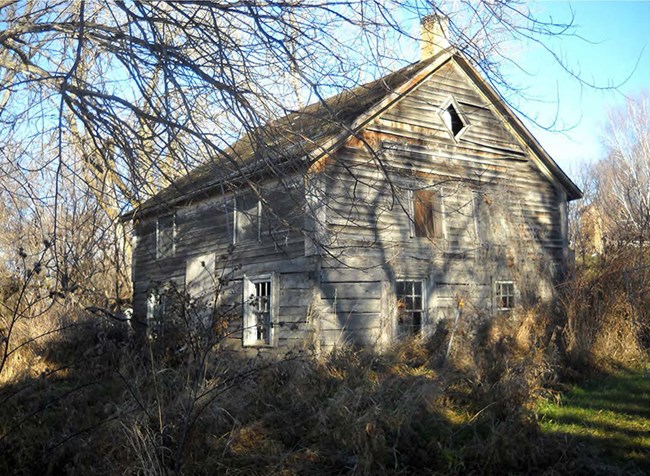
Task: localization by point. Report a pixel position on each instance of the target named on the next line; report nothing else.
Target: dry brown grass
(606, 309)
(87, 400)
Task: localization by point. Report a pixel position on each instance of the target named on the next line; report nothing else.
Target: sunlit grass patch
(609, 417)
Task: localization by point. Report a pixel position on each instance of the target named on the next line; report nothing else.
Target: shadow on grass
(113, 409)
(607, 420)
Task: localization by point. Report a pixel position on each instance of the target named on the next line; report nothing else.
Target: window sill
(259, 346)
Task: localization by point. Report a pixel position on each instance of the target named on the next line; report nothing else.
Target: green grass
(606, 420)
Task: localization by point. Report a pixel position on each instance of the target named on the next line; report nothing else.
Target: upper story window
(166, 236)
(455, 122)
(427, 214)
(271, 219)
(247, 226)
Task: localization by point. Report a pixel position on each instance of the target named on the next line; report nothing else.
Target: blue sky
(618, 47)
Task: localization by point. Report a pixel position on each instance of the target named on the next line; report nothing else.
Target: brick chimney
(433, 35)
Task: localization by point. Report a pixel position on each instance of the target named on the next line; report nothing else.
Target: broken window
(427, 214)
(166, 236)
(410, 307)
(505, 295)
(258, 311)
(453, 120)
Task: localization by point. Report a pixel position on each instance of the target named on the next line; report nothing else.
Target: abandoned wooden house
(364, 218)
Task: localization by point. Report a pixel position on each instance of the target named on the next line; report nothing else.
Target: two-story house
(365, 217)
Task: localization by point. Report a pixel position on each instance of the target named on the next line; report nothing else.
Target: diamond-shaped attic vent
(453, 120)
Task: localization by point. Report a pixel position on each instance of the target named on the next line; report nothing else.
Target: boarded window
(505, 295)
(427, 214)
(165, 236)
(258, 311)
(247, 226)
(410, 307)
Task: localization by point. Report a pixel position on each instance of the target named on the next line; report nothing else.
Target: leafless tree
(121, 98)
(623, 175)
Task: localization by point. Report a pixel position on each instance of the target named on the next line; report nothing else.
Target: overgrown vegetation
(78, 395)
(89, 400)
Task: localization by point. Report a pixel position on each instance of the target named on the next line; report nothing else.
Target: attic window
(453, 120)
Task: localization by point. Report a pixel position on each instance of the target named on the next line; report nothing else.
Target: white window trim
(173, 215)
(497, 296)
(248, 327)
(443, 212)
(425, 308)
(411, 212)
(451, 101)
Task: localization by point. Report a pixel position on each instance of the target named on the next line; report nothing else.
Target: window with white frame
(410, 307)
(258, 311)
(166, 236)
(505, 295)
(455, 122)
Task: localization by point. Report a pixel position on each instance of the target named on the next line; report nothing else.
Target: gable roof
(322, 127)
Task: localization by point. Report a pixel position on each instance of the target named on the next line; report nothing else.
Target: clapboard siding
(349, 223)
(205, 227)
(368, 220)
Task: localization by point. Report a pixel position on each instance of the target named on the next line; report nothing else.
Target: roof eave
(572, 190)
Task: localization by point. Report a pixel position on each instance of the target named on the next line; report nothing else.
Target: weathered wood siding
(502, 215)
(337, 267)
(204, 235)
